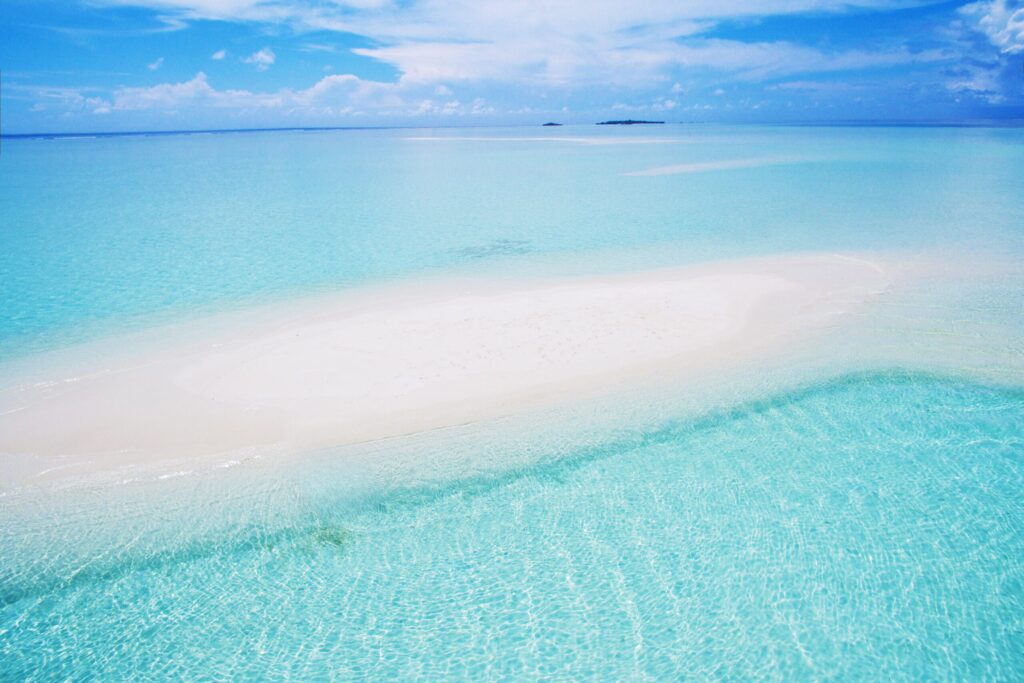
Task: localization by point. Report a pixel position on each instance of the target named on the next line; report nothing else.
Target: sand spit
(365, 365)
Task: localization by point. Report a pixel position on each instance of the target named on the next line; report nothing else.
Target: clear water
(870, 527)
(855, 524)
(101, 234)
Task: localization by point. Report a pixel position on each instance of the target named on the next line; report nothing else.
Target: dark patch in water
(334, 536)
(558, 467)
(499, 247)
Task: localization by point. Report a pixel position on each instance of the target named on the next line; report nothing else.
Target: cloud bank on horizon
(161, 64)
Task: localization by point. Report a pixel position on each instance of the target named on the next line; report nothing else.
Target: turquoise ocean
(852, 511)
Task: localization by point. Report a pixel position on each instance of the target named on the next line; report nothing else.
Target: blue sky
(114, 65)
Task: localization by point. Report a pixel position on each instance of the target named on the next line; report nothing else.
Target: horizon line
(853, 123)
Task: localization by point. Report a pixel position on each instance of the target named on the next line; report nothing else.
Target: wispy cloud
(489, 19)
(1003, 26)
(987, 72)
(153, 66)
(165, 24)
(543, 41)
(981, 81)
(219, 55)
(318, 47)
(542, 63)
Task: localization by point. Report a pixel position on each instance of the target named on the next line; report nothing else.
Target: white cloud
(542, 42)
(63, 99)
(153, 66)
(758, 61)
(819, 87)
(981, 82)
(245, 10)
(480, 106)
(263, 59)
(487, 19)
(641, 52)
(1003, 26)
(987, 73)
(623, 63)
(427, 106)
(318, 47)
(165, 95)
(339, 94)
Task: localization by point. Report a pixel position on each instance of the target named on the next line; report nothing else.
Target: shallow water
(854, 512)
(99, 235)
(869, 526)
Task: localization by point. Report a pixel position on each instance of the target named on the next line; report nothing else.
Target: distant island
(626, 122)
(552, 123)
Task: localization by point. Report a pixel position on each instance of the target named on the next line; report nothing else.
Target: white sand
(372, 364)
(705, 166)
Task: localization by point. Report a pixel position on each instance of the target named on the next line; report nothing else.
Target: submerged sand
(366, 365)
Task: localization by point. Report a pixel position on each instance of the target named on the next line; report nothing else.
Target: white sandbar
(705, 166)
(365, 365)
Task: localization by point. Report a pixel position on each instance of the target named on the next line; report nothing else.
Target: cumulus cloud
(334, 95)
(262, 59)
(165, 95)
(219, 55)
